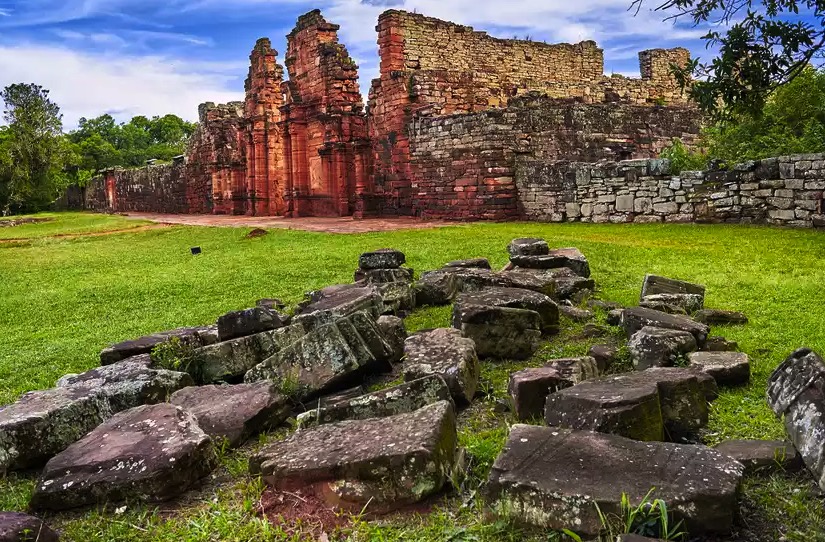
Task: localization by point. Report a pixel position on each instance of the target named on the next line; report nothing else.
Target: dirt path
(87, 234)
(316, 224)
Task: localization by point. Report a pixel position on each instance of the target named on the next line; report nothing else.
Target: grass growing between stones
(63, 299)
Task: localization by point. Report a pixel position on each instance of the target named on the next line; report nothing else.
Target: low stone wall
(783, 191)
(164, 188)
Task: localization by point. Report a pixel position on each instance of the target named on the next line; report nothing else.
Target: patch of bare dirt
(88, 234)
(257, 232)
(11, 222)
(302, 512)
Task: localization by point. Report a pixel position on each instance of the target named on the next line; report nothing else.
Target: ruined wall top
(210, 111)
(321, 71)
(432, 44)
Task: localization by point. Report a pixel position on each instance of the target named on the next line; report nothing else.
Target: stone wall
(162, 188)
(462, 166)
(784, 191)
(434, 69)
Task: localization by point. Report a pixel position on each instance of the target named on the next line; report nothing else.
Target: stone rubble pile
(145, 423)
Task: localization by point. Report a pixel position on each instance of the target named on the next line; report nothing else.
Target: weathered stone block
(636, 318)
(658, 347)
(406, 397)
(385, 258)
(517, 298)
(387, 462)
(727, 368)
(762, 455)
(444, 352)
(528, 246)
(155, 452)
(553, 478)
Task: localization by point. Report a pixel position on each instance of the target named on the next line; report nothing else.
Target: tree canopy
(762, 44)
(33, 153)
(102, 143)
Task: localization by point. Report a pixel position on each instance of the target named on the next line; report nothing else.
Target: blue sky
(151, 57)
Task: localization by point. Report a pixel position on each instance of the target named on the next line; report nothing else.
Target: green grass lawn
(63, 299)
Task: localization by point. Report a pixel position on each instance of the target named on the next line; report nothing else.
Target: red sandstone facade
(305, 146)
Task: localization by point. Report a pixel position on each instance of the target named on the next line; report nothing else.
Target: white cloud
(5, 12)
(88, 84)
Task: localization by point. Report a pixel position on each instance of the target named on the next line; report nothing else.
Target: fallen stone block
(152, 452)
(193, 336)
(18, 527)
(718, 316)
(516, 298)
(796, 393)
(233, 413)
(480, 263)
(436, 288)
(501, 332)
(636, 318)
(381, 276)
(343, 300)
(326, 357)
(614, 317)
(604, 354)
(762, 455)
(727, 368)
(447, 353)
(406, 397)
(658, 347)
(662, 307)
(553, 478)
(386, 462)
(230, 360)
(720, 344)
(571, 258)
(528, 246)
(43, 423)
(530, 387)
(398, 297)
(654, 284)
(248, 322)
(575, 314)
(690, 303)
(384, 258)
(395, 333)
(646, 405)
(271, 303)
(561, 283)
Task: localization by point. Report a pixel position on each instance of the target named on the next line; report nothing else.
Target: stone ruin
(451, 111)
(144, 424)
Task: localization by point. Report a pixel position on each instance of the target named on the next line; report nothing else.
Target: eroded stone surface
(762, 455)
(604, 354)
(718, 316)
(636, 318)
(248, 322)
(43, 423)
(395, 333)
(796, 391)
(646, 405)
(384, 258)
(386, 462)
(654, 284)
(727, 368)
(152, 452)
(447, 353)
(234, 412)
(230, 360)
(18, 527)
(380, 276)
(480, 263)
(406, 397)
(658, 347)
(501, 332)
(571, 258)
(437, 288)
(516, 298)
(690, 303)
(552, 478)
(326, 356)
(530, 387)
(343, 300)
(194, 336)
(528, 246)
(720, 344)
(575, 313)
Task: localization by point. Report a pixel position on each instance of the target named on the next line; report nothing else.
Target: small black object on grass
(195, 250)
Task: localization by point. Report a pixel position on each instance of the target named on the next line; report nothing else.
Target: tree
(33, 153)
(761, 47)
